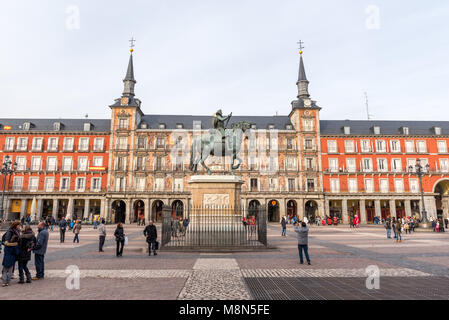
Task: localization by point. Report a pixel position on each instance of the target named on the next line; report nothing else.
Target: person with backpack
(120, 239)
(150, 232)
(398, 231)
(11, 242)
(284, 227)
(76, 231)
(62, 229)
(27, 242)
(388, 227)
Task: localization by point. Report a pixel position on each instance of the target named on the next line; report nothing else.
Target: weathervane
(132, 44)
(300, 43)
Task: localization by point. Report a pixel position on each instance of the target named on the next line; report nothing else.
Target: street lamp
(420, 172)
(8, 167)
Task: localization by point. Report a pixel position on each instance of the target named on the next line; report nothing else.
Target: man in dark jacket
(39, 250)
(27, 242)
(62, 229)
(284, 227)
(151, 233)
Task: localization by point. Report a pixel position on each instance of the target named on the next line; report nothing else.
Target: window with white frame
(347, 130)
(409, 146)
(311, 185)
(349, 146)
(37, 144)
(367, 165)
(140, 183)
(22, 144)
(352, 185)
(51, 163)
(141, 142)
(35, 163)
(254, 184)
(395, 146)
(160, 142)
(437, 130)
(376, 130)
(396, 165)
(422, 147)
(384, 185)
(351, 165)
(365, 146)
(444, 165)
(123, 123)
(273, 184)
(17, 184)
(82, 164)
(424, 162)
(411, 164)
(65, 184)
(49, 184)
(308, 143)
(67, 164)
(83, 144)
(95, 184)
(178, 184)
(119, 184)
(87, 126)
(442, 147)
(120, 163)
(414, 185)
(21, 163)
(309, 163)
(98, 144)
(33, 183)
(369, 185)
(97, 162)
(291, 183)
(335, 185)
(140, 163)
(291, 163)
(382, 165)
(68, 144)
(332, 146)
(399, 185)
(9, 144)
(333, 165)
(290, 144)
(121, 143)
(52, 144)
(308, 124)
(159, 184)
(381, 146)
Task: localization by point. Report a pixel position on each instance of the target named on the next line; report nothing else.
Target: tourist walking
(393, 226)
(150, 232)
(76, 231)
(39, 251)
(388, 227)
(62, 229)
(303, 241)
(119, 235)
(27, 241)
(399, 231)
(11, 242)
(284, 227)
(102, 233)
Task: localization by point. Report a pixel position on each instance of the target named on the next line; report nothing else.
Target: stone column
(326, 207)
(39, 209)
(377, 209)
(282, 209)
(430, 207)
(23, 208)
(445, 206)
(300, 209)
(408, 208)
(146, 210)
(128, 210)
(69, 209)
(86, 208)
(344, 211)
(393, 208)
(8, 213)
(102, 209)
(55, 208)
(363, 217)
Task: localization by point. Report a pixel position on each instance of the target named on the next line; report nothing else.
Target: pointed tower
(302, 83)
(129, 80)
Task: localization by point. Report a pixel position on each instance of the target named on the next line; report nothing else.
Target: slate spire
(129, 80)
(303, 83)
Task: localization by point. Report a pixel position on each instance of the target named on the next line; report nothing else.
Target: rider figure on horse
(218, 121)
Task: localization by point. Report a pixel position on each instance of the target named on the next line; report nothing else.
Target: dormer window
(253, 126)
(26, 126)
(437, 130)
(270, 126)
(347, 130)
(376, 129)
(405, 131)
(87, 126)
(289, 127)
(197, 125)
(179, 126)
(143, 126)
(161, 125)
(57, 126)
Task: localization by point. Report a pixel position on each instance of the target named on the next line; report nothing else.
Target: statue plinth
(216, 191)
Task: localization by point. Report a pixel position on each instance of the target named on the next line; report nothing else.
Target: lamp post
(420, 172)
(8, 167)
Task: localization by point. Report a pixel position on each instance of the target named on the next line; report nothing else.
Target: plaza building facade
(134, 164)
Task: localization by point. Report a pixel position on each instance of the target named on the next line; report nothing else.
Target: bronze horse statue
(213, 144)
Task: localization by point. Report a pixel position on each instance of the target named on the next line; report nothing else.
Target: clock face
(307, 103)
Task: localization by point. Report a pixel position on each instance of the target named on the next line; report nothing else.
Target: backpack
(4, 238)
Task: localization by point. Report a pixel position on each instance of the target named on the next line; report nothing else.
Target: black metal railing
(217, 227)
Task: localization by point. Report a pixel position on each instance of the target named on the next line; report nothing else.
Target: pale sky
(192, 57)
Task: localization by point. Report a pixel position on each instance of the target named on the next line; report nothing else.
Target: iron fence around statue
(197, 228)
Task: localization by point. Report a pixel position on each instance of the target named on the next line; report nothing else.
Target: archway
(442, 198)
(370, 209)
(273, 211)
(78, 209)
(139, 207)
(119, 211)
(177, 209)
(291, 209)
(253, 207)
(400, 209)
(335, 209)
(311, 208)
(156, 211)
(47, 208)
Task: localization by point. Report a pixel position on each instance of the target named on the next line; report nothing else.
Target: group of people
(75, 226)
(437, 224)
(19, 243)
(399, 225)
(179, 227)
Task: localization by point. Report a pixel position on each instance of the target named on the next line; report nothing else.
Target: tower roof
(302, 71)
(130, 71)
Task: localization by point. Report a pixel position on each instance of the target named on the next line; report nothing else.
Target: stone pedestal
(216, 191)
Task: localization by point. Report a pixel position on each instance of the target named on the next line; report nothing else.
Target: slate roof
(98, 125)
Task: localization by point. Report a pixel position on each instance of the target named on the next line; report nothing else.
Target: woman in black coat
(27, 241)
(120, 239)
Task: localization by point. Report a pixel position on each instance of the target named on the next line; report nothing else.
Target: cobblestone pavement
(416, 268)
